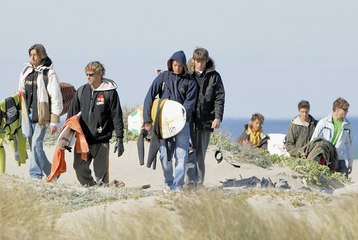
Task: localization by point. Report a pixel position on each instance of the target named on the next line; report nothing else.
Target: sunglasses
(90, 74)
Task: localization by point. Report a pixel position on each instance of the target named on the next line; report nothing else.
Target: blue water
(236, 126)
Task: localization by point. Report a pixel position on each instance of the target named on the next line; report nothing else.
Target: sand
(127, 169)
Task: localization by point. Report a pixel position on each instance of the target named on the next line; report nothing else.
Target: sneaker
(116, 183)
(167, 189)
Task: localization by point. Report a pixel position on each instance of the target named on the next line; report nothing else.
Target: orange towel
(58, 164)
(58, 161)
(81, 143)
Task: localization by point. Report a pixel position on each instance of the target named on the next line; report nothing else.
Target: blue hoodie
(173, 91)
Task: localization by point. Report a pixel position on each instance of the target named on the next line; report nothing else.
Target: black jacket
(101, 112)
(211, 96)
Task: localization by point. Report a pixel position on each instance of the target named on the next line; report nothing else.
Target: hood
(46, 63)
(297, 120)
(106, 85)
(180, 57)
(210, 66)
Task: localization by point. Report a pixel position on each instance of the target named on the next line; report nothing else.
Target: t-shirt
(337, 129)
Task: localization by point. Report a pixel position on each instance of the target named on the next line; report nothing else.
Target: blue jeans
(39, 164)
(178, 147)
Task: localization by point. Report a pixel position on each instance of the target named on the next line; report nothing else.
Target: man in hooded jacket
(101, 113)
(208, 113)
(301, 130)
(181, 88)
(44, 104)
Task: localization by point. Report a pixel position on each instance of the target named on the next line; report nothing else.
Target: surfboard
(67, 139)
(275, 144)
(172, 117)
(135, 120)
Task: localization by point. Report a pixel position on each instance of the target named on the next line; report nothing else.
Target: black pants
(99, 153)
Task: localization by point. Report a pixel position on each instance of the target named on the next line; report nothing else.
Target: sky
(270, 53)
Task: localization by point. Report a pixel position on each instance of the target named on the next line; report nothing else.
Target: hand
(119, 146)
(52, 129)
(349, 169)
(147, 126)
(216, 123)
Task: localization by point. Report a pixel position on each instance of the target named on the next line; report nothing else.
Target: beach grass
(26, 213)
(214, 215)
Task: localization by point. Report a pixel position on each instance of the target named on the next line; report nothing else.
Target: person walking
(43, 97)
(101, 113)
(208, 113)
(180, 87)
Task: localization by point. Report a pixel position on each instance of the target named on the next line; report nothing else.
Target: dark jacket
(101, 111)
(211, 95)
(246, 136)
(322, 151)
(175, 89)
(299, 135)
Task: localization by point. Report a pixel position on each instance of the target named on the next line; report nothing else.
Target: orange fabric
(81, 143)
(58, 161)
(58, 164)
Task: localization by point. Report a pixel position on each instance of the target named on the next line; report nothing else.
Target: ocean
(236, 126)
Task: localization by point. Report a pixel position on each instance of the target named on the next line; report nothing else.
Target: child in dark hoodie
(181, 88)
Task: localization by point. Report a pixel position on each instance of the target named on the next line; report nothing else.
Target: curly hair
(97, 67)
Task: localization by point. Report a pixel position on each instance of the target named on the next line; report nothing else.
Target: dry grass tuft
(24, 215)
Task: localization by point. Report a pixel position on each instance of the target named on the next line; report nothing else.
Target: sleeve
(190, 100)
(291, 139)
(54, 92)
(219, 98)
(21, 86)
(317, 130)
(349, 149)
(153, 91)
(243, 136)
(117, 115)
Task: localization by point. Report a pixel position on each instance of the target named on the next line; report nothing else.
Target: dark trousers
(342, 167)
(99, 153)
(196, 160)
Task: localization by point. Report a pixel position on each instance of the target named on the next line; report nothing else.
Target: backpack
(67, 92)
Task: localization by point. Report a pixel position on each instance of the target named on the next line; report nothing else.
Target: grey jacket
(299, 134)
(325, 129)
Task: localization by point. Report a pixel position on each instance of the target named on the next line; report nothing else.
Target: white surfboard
(135, 120)
(67, 139)
(275, 144)
(172, 119)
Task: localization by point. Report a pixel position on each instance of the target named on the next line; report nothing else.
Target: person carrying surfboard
(44, 103)
(101, 113)
(180, 87)
(208, 114)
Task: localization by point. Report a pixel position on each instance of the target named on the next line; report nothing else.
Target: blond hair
(96, 67)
